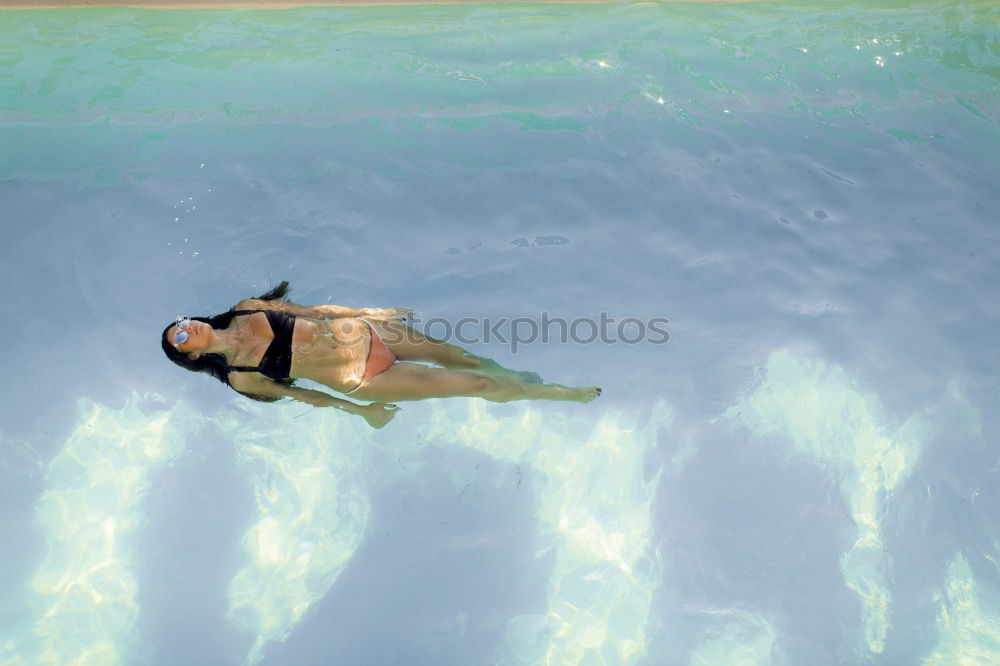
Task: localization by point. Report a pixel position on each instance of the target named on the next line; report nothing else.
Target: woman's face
(199, 336)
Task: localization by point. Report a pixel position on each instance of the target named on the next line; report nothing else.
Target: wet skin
(334, 353)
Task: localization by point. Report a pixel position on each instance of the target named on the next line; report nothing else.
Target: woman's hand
(377, 414)
(386, 313)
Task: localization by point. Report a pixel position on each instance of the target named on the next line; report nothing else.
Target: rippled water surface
(806, 473)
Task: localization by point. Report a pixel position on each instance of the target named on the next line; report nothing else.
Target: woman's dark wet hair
(215, 364)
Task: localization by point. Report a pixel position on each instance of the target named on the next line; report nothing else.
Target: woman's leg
(410, 344)
(410, 381)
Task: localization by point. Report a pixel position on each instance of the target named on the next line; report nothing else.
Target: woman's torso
(330, 352)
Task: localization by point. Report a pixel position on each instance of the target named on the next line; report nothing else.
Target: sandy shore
(279, 4)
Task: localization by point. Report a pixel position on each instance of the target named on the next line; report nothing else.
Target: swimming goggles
(182, 322)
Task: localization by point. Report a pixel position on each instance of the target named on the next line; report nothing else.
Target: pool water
(806, 472)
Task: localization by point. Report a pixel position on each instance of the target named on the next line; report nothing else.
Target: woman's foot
(586, 393)
(558, 392)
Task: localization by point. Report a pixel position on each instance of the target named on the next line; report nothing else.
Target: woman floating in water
(262, 345)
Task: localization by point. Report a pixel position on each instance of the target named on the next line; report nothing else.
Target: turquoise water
(807, 472)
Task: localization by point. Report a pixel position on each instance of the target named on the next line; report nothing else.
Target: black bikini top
(276, 362)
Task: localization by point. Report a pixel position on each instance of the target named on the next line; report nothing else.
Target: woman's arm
(338, 311)
(377, 414)
(322, 311)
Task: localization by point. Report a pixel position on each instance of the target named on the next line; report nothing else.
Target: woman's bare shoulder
(246, 382)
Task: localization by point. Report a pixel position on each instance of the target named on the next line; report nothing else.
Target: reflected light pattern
(592, 497)
(312, 507)
(968, 625)
(818, 408)
(594, 514)
(826, 418)
(85, 589)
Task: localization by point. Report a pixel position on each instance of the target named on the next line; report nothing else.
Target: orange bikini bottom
(379, 358)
